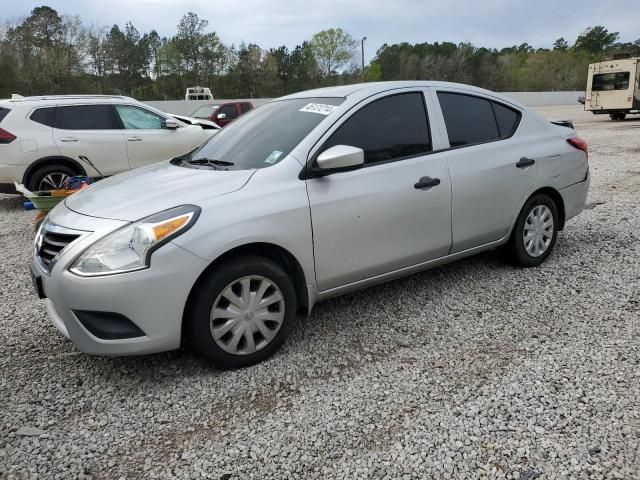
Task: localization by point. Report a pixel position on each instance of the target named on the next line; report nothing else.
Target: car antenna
(86, 160)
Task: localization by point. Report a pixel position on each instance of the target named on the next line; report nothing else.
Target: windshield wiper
(210, 162)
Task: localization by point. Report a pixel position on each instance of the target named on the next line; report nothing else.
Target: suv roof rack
(66, 97)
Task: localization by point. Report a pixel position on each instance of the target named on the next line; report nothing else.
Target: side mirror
(340, 157)
(170, 124)
(221, 116)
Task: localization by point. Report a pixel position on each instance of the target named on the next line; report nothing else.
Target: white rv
(613, 87)
(198, 93)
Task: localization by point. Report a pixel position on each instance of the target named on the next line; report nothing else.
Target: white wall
(538, 99)
(533, 99)
(187, 107)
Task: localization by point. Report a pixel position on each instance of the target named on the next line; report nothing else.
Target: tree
(560, 44)
(333, 49)
(190, 41)
(596, 40)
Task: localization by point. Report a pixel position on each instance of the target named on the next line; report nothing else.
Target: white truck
(198, 93)
(613, 87)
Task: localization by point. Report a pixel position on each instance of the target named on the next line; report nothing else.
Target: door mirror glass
(170, 124)
(222, 116)
(340, 156)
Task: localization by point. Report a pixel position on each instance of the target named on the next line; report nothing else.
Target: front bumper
(153, 299)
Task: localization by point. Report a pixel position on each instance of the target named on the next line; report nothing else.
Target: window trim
(491, 101)
(308, 172)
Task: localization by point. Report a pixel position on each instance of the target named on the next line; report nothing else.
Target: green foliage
(333, 49)
(596, 40)
(51, 53)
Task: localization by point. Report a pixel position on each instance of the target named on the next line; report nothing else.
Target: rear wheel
(50, 177)
(618, 116)
(242, 312)
(535, 232)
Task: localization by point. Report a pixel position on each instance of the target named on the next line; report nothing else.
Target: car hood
(138, 193)
(202, 122)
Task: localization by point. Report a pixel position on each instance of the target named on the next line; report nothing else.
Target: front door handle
(134, 139)
(525, 162)
(68, 139)
(426, 182)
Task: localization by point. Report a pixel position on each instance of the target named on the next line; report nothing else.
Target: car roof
(367, 89)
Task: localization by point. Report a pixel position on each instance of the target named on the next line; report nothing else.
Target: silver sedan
(306, 197)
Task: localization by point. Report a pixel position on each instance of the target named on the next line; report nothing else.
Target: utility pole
(362, 50)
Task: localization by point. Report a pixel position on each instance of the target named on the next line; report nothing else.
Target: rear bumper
(575, 197)
(10, 173)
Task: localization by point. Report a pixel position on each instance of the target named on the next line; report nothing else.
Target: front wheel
(535, 232)
(243, 311)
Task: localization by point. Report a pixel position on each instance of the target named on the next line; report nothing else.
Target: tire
(539, 208)
(255, 339)
(49, 177)
(617, 116)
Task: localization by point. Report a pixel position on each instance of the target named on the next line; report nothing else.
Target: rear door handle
(525, 162)
(134, 139)
(426, 182)
(68, 139)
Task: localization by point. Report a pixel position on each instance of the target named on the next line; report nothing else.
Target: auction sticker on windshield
(321, 108)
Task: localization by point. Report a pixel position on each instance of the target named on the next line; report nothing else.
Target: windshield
(263, 136)
(204, 112)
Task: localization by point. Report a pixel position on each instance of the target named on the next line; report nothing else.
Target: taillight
(6, 137)
(580, 144)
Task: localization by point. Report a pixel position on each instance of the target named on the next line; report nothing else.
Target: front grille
(52, 244)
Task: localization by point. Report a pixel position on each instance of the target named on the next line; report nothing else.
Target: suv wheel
(535, 232)
(242, 312)
(49, 177)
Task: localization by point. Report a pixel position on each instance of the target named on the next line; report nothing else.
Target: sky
(271, 23)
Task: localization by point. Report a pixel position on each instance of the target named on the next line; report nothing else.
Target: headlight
(130, 247)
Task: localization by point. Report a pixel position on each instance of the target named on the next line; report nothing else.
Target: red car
(222, 113)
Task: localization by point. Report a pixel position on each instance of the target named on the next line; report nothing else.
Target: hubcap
(53, 181)
(538, 230)
(247, 315)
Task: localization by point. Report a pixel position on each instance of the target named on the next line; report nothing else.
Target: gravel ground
(473, 370)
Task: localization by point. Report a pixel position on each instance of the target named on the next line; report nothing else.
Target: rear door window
(603, 82)
(391, 128)
(86, 117)
(45, 116)
(469, 119)
(245, 107)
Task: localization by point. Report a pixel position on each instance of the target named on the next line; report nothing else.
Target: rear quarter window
(508, 119)
(45, 116)
(3, 113)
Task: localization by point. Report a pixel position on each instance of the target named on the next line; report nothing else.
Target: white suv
(42, 138)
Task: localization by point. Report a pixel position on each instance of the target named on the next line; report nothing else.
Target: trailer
(198, 93)
(613, 88)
